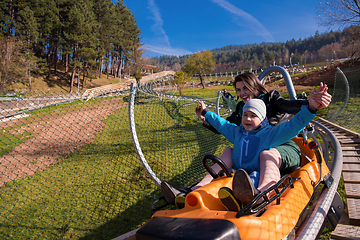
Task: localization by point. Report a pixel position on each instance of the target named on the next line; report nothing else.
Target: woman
(278, 110)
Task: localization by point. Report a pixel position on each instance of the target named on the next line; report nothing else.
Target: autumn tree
(180, 79)
(199, 63)
(136, 61)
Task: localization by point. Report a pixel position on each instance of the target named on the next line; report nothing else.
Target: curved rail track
(349, 224)
(345, 155)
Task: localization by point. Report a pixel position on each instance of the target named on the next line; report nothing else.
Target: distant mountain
(231, 48)
(320, 47)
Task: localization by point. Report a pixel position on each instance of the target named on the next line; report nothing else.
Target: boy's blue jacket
(248, 145)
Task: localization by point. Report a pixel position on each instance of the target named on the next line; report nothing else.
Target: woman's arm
(288, 130)
(283, 105)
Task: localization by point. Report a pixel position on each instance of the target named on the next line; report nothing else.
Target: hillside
(314, 78)
(317, 48)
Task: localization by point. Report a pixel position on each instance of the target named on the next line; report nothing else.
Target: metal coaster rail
(312, 226)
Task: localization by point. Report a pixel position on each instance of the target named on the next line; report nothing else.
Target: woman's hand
(199, 109)
(322, 97)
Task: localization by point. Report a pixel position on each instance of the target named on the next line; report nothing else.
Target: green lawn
(102, 191)
(349, 118)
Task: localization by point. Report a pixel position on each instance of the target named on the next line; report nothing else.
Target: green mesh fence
(69, 169)
(345, 104)
(173, 139)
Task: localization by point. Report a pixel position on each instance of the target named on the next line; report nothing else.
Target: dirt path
(54, 138)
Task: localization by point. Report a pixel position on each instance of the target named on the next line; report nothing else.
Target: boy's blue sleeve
(288, 130)
(221, 125)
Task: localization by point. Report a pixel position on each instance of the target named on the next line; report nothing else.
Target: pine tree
(127, 35)
(80, 34)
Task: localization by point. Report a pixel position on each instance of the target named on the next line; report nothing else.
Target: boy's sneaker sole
(180, 200)
(228, 200)
(169, 192)
(243, 187)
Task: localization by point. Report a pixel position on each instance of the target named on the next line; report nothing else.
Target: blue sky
(180, 27)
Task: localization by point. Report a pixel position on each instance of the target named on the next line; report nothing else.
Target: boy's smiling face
(250, 121)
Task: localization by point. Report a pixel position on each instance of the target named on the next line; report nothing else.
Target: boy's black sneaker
(243, 188)
(228, 200)
(180, 200)
(170, 193)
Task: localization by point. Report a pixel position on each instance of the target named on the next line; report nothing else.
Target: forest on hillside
(320, 47)
(83, 36)
(88, 38)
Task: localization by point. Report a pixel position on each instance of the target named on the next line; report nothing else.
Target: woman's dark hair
(251, 82)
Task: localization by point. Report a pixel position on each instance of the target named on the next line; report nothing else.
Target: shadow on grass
(60, 79)
(138, 213)
(207, 141)
(125, 222)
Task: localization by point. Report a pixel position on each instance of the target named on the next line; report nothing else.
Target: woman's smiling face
(243, 92)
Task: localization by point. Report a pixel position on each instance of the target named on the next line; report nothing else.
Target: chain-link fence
(69, 169)
(345, 105)
(181, 134)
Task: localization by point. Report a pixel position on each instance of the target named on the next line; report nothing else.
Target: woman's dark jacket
(278, 109)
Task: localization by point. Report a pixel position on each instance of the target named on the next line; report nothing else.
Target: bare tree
(339, 12)
(343, 13)
(16, 62)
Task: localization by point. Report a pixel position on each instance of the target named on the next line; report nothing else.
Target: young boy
(253, 136)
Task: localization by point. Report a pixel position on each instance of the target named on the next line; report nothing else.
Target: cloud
(163, 43)
(157, 27)
(163, 50)
(254, 24)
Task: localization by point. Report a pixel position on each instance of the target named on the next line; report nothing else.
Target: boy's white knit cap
(256, 106)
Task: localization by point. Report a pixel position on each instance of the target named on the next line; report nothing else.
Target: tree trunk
(83, 80)
(202, 81)
(113, 66)
(120, 66)
(72, 80)
(66, 63)
(28, 72)
(101, 68)
(107, 69)
(56, 58)
(78, 79)
(48, 60)
(113, 62)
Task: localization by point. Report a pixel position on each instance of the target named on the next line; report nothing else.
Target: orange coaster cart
(204, 217)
